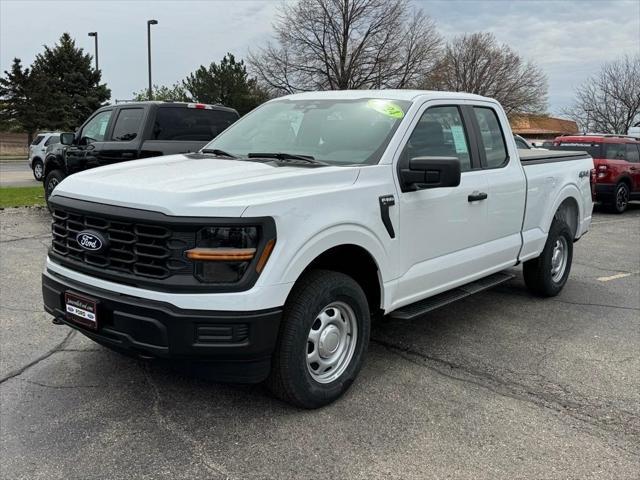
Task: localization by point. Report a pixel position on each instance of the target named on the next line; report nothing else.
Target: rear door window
(615, 151)
(37, 140)
(127, 124)
(190, 124)
(491, 137)
(440, 133)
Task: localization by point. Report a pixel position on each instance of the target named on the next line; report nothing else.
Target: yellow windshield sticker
(386, 107)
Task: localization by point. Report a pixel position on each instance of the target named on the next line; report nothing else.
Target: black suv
(130, 131)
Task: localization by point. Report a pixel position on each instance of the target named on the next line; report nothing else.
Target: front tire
(53, 179)
(323, 340)
(38, 170)
(546, 275)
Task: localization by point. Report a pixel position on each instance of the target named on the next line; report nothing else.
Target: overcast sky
(569, 39)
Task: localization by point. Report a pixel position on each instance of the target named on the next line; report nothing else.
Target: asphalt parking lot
(500, 385)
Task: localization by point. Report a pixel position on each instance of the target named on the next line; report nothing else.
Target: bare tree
(477, 63)
(347, 44)
(609, 102)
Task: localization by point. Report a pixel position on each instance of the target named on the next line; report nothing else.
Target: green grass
(21, 196)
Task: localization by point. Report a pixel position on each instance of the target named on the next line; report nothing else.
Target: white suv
(37, 151)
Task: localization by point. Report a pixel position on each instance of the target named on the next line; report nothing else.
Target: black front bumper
(229, 346)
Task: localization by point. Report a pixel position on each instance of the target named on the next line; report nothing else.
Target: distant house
(542, 127)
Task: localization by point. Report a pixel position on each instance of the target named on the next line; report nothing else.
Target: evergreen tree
(68, 87)
(17, 109)
(227, 83)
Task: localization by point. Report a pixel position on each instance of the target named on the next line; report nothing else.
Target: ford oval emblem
(91, 241)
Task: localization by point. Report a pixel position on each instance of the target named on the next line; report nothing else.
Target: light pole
(149, 23)
(95, 37)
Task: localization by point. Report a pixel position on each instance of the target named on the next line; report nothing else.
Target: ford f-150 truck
(264, 256)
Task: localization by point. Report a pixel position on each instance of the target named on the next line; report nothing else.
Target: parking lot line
(616, 276)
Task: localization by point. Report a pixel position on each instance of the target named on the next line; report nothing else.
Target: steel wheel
(559, 259)
(331, 342)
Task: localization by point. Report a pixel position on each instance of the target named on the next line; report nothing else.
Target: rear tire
(620, 200)
(38, 170)
(546, 275)
(323, 340)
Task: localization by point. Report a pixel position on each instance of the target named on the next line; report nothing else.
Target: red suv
(617, 166)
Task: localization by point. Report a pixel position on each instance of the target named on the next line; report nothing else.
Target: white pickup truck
(264, 256)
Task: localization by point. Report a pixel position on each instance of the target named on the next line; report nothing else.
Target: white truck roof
(391, 94)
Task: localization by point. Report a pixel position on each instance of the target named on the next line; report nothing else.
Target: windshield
(337, 132)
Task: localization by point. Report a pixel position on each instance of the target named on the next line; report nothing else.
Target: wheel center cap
(329, 341)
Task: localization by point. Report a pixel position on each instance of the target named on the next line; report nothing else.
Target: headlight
(224, 254)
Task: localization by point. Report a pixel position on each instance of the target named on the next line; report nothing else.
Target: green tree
(227, 83)
(67, 88)
(17, 109)
(174, 93)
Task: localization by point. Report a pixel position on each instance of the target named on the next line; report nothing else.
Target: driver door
(441, 229)
(90, 140)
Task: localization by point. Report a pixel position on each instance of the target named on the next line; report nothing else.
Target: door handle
(477, 196)
(127, 155)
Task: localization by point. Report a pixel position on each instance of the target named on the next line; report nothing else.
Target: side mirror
(431, 172)
(67, 138)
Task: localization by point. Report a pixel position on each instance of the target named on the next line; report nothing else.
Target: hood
(200, 185)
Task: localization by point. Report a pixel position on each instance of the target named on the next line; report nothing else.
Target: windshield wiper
(219, 153)
(286, 156)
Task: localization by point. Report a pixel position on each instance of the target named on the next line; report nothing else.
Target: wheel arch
(354, 253)
(568, 208)
(52, 163)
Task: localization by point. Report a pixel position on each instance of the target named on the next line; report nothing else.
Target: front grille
(138, 249)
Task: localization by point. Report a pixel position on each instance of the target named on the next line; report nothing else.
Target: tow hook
(57, 321)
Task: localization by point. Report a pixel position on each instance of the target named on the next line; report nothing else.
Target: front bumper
(230, 346)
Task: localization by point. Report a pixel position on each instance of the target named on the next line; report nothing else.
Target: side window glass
(52, 139)
(616, 151)
(491, 134)
(37, 140)
(190, 124)
(127, 124)
(440, 133)
(633, 153)
(95, 130)
(520, 144)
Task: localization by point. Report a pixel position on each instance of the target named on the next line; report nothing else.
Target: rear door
(506, 185)
(441, 229)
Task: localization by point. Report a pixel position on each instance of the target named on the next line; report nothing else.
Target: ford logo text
(92, 241)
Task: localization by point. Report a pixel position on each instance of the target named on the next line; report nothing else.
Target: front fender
(337, 235)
